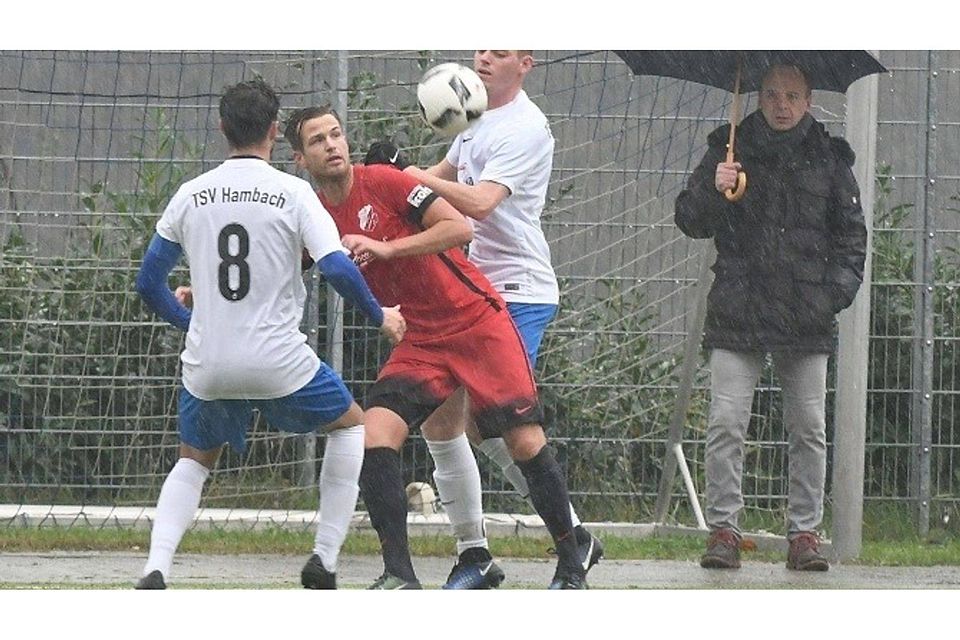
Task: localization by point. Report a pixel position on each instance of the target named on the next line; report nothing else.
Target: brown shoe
(723, 550)
(804, 553)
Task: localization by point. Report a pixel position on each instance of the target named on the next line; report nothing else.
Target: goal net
(93, 144)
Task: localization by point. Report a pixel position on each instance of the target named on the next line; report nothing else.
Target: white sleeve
(517, 154)
(169, 225)
(318, 231)
(453, 153)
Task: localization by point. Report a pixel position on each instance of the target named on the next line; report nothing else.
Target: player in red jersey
(407, 242)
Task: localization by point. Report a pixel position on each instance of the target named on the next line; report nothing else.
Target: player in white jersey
(244, 227)
(495, 173)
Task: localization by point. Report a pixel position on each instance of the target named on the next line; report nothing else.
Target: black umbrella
(738, 71)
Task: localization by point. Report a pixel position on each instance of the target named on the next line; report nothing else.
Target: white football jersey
(242, 227)
(511, 145)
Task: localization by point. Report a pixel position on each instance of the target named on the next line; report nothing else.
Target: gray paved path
(280, 571)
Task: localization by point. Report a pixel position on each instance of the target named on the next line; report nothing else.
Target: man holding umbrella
(790, 256)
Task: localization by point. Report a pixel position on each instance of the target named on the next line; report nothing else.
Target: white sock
(496, 449)
(176, 508)
(458, 482)
(339, 489)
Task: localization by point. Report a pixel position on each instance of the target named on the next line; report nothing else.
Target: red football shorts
(488, 360)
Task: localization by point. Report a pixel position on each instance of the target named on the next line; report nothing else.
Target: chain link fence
(92, 144)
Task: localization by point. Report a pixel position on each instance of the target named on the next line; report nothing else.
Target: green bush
(93, 372)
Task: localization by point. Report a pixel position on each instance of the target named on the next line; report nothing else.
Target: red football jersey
(439, 294)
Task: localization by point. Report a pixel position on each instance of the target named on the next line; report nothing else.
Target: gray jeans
(733, 378)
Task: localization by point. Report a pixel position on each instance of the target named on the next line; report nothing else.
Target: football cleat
(389, 582)
(475, 569)
(569, 579)
(315, 576)
(590, 550)
(153, 580)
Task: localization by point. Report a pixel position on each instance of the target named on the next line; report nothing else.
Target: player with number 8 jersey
(240, 268)
(244, 227)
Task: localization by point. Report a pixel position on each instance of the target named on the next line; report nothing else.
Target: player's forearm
(443, 235)
(467, 199)
(160, 258)
(344, 276)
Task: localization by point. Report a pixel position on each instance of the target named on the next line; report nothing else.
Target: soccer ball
(421, 498)
(451, 96)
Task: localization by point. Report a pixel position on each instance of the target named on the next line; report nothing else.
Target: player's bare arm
(444, 228)
(443, 170)
(474, 201)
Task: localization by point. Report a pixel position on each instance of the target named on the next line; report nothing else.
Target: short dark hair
(295, 123)
(247, 109)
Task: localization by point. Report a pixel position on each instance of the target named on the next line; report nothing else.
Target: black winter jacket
(790, 253)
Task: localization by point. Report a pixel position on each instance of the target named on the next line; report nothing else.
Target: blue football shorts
(208, 424)
(532, 320)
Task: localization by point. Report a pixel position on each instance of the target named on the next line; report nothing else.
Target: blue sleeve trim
(340, 271)
(160, 259)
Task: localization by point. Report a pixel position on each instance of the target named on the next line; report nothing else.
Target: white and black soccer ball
(451, 96)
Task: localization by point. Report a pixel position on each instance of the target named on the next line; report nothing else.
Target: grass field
(909, 552)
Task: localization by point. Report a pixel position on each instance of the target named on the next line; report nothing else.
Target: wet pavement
(113, 569)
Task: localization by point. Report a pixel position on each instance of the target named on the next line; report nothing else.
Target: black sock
(381, 485)
(548, 492)
(583, 536)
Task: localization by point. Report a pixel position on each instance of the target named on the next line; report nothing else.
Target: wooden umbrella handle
(734, 195)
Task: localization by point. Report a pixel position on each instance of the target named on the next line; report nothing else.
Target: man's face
(325, 152)
(784, 98)
(501, 69)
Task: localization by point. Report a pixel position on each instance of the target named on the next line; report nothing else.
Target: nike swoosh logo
(586, 560)
(395, 156)
(486, 568)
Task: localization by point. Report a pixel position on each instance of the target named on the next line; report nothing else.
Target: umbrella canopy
(738, 71)
(826, 70)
